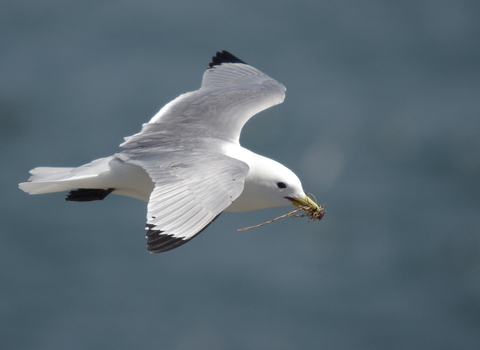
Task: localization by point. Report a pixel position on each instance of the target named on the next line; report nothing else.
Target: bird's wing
(231, 93)
(181, 149)
(191, 189)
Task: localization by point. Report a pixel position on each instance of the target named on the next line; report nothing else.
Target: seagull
(187, 162)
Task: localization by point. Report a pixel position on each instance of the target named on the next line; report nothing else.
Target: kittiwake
(187, 162)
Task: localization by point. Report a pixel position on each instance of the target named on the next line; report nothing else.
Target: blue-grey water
(381, 122)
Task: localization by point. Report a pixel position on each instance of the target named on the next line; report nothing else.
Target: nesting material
(313, 213)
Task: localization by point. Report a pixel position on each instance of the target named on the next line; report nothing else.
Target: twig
(312, 214)
(270, 221)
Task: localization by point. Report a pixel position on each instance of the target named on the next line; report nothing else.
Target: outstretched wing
(181, 149)
(191, 189)
(231, 93)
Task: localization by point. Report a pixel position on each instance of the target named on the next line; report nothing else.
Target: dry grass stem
(313, 214)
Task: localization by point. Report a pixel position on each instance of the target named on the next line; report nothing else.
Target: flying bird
(187, 162)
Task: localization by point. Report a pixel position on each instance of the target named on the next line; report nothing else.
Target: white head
(269, 184)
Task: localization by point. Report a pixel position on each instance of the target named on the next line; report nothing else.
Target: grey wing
(231, 93)
(191, 190)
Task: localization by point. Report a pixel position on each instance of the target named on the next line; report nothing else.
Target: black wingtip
(158, 241)
(224, 57)
(88, 194)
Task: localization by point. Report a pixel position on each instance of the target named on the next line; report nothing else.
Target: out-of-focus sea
(381, 122)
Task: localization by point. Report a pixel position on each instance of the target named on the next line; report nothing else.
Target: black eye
(281, 185)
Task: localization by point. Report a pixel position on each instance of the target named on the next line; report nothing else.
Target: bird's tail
(48, 179)
(92, 181)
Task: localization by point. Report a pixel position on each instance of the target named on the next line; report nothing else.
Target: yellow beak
(310, 207)
(307, 201)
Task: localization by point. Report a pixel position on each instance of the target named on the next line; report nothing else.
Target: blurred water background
(381, 122)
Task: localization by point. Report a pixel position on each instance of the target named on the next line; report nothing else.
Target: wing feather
(230, 94)
(181, 149)
(191, 189)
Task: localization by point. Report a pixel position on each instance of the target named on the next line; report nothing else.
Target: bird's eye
(281, 185)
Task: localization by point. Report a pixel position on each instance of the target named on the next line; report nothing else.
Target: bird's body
(187, 162)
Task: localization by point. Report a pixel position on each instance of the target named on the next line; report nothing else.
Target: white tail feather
(50, 179)
(104, 173)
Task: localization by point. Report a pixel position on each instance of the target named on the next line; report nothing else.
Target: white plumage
(187, 161)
